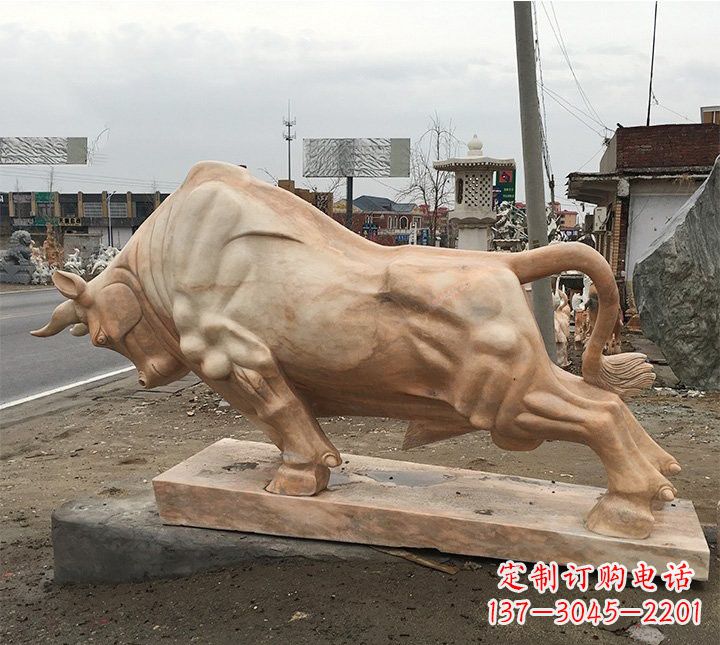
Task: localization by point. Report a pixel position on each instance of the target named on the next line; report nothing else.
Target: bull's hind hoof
(618, 515)
(299, 479)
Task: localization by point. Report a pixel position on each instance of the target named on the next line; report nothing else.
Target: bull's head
(110, 312)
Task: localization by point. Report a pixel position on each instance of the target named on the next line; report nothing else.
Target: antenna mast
(289, 123)
(652, 65)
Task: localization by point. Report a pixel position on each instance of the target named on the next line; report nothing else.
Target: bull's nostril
(141, 379)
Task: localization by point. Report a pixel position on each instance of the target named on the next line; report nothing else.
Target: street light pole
(110, 231)
(531, 128)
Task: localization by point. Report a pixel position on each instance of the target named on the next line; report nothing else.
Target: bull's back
(340, 314)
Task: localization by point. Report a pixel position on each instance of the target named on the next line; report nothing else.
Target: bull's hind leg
(661, 459)
(242, 368)
(551, 412)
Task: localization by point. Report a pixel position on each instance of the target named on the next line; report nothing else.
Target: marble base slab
(405, 504)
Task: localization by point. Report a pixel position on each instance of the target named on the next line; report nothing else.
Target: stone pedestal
(475, 237)
(402, 504)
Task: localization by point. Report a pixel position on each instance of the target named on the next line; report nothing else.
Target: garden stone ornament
(290, 316)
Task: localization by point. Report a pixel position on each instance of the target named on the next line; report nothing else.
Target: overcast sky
(177, 82)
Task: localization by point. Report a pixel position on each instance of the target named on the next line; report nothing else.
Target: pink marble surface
(404, 504)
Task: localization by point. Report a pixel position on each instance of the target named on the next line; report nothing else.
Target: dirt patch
(114, 445)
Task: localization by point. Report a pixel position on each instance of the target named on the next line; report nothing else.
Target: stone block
(677, 288)
(113, 541)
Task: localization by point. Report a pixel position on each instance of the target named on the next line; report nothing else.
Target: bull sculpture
(290, 316)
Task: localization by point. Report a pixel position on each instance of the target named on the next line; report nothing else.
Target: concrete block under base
(403, 504)
(124, 540)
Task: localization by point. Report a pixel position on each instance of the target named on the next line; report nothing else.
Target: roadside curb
(123, 540)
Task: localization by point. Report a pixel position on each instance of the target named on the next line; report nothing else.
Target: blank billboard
(43, 150)
(370, 157)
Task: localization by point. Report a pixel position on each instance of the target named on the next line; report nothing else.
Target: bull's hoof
(624, 516)
(299, 479)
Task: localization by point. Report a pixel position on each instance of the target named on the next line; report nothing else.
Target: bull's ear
(68, 284)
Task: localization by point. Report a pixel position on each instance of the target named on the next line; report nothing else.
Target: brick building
(391, 223)
(645, 175)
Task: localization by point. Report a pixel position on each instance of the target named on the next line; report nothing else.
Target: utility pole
(531, 128)
(652, 65)
(289, 123)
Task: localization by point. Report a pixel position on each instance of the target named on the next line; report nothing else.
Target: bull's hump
(204, 171)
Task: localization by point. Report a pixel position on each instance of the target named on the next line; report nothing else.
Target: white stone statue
(100, 261)
(42, 273)
(74, 263)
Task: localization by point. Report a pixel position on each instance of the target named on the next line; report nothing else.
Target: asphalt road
(30, 365)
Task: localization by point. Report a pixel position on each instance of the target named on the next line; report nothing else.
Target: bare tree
(272, 177)
(432, 187)
(334, 184)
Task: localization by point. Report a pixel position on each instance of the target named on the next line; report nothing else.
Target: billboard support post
(348, 201)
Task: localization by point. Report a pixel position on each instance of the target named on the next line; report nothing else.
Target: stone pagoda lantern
(473, 212)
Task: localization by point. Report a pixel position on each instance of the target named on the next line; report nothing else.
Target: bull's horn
(63, 316)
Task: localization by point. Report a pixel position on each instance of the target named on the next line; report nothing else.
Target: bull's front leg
(272, 404)
(241, 367)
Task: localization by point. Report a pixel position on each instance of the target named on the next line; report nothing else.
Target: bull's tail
(625, 374)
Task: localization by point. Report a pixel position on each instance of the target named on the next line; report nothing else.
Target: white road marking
(7, 293)
(22, 316)
(62, 388)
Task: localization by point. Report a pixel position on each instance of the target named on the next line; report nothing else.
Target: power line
(665, 107)
(557, 95)
(70, 174)
(32, 173)
(585, 123)
(563, 48)
(602, 147)
(147, 184)
(382, 183)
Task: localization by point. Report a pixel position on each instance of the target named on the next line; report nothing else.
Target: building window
(392, 221)
(404, 222)
(417, 221)
(368, 219)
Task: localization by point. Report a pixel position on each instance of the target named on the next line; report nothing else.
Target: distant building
(567, 222)
(710, 114)
(391, 223)
(78, 214)
(645, 175)
(320, 200)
